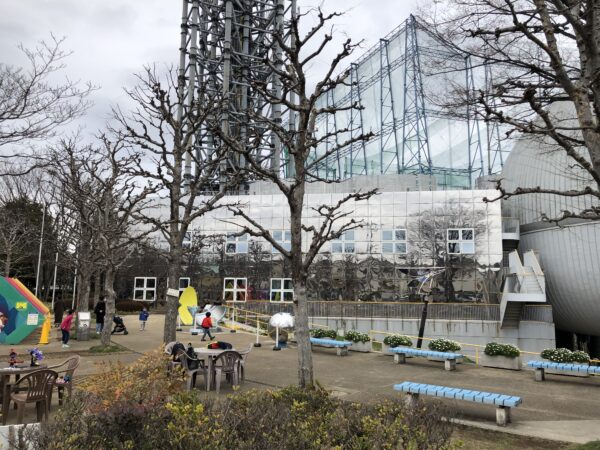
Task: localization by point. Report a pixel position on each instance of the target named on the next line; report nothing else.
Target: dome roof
(541, 162)
(568, 254)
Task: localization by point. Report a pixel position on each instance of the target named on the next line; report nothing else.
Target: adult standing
(100, 311)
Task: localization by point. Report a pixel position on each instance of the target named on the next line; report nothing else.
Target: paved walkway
(561, 408)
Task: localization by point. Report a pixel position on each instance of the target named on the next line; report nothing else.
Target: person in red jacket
(206, 325)
(65, 328)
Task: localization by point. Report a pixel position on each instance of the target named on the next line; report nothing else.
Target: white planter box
(501, 362)
(363, 347)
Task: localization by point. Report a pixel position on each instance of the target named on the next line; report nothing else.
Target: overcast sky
(112, 39)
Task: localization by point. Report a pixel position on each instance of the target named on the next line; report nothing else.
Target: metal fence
(441, 311)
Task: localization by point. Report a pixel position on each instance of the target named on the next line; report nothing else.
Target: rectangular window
(345, 243)
(393, 241)
(461, 241)
(144, 289)
(283, 238)
(236, 244)
(282, 290)
(184, 282)
(234, 289)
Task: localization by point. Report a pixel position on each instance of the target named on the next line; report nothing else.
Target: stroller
(119, 326)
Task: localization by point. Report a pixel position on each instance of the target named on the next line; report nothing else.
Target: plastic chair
(227, 363)
(244, 355)
(35, 387)
(192, 373)
(66, 370)
(172, 363)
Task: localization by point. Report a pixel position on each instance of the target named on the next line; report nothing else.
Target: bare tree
(165, 129)
(118, 200)
(541, 52)
(293, 59)
(34, 102)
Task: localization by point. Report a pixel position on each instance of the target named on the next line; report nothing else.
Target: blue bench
(502, 402)
(400, 354)
(541, 366)
(341, 346)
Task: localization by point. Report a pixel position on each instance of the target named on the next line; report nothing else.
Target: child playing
(206, 325)
(143, 318)
(65, 328)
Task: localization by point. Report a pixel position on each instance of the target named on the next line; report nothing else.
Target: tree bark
(175, 261)
(109, 293)
(302, 334)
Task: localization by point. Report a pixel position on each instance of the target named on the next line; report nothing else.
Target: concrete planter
(363, 347)
(501, 362)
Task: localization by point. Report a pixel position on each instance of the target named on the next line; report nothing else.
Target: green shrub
(355, 336)
(444, 345)
(129, 306)
(508, 350)
(564, 355)
(290, 418)
(322, 333)
(397, 340)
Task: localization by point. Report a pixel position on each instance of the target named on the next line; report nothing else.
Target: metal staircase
(524, 284)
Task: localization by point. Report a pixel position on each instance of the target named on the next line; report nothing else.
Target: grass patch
(594, 445)
(113, 348)
(376, 346)
(468, 438)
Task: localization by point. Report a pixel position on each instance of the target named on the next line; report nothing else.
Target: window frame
(344, 241)
(460, 242)
(283, 241)
(144, 289)
(235, 241)
(282, 290)
(235, 290)
(394, 241)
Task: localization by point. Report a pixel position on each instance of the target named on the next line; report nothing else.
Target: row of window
(460, 241)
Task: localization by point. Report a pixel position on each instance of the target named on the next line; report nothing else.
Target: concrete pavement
(561, 408)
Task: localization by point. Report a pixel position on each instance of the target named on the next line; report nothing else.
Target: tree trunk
(7, 264)
(302, 334)
(97, 289)
(109, 293)
(175, 260)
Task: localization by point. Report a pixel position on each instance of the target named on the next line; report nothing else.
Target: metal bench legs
(539, 374)
(450, 364)
(342, 351)
(502, 416)
(400, 358)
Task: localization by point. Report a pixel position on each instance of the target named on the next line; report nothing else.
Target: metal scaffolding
(225, 43)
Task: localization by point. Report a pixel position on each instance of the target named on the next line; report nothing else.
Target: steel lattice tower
(224, 43)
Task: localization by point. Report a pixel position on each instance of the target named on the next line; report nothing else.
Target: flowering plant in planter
(564, 355)
(396, 340)
(36, 356)
(355, 336)
(322, 333)
(508, 350)
(444, 345)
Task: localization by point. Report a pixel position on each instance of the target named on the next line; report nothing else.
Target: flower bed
(501, 356)
(564, 355)
(322, 333)
(361, 342)
(444, 345)
(395, 340)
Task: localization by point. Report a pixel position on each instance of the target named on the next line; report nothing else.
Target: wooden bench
(567, 368)
(400, 354)
(502, 402)
(341, 346)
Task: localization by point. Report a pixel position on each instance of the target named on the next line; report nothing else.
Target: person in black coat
(100, 311)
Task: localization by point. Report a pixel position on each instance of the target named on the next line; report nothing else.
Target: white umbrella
(280, 320)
